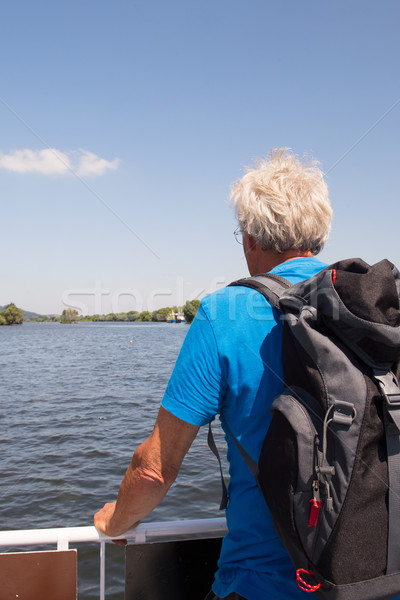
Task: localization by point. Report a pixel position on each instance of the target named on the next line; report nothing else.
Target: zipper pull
(315, 505)
(316, 494)
(329, 499)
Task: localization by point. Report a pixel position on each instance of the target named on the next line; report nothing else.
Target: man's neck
(266, 260)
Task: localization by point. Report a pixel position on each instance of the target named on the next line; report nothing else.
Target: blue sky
(123, 125)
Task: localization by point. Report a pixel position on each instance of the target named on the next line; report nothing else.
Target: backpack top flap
(357, 302)
(370, 293)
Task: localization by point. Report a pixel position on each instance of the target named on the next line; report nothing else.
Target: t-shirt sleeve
(196, 386)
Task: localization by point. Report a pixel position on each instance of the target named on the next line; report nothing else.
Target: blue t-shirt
(230, 364)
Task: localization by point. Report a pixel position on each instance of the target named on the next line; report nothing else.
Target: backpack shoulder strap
(213, 447)
(271, 286)
(390, 391)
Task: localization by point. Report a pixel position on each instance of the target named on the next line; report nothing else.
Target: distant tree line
(70, 315)
(11, 315)
(159, 316)
(190, 309)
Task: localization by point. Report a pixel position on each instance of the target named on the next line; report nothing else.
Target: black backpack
(330, 464)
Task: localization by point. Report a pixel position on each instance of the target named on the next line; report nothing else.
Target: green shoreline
(11, 315)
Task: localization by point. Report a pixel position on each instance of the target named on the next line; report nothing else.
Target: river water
(75, 401)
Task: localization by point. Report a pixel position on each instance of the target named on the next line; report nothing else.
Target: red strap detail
(303, 585)
(314, 512)
(333, 275)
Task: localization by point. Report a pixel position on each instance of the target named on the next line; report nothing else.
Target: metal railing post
(102, 569)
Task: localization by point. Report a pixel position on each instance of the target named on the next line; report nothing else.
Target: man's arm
(153, 469)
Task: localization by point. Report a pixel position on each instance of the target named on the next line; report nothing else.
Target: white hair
(283, 203)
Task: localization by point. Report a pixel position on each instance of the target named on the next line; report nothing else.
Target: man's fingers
(120, 542)
(103, 516)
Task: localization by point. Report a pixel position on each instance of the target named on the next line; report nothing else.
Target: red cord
(303, 585)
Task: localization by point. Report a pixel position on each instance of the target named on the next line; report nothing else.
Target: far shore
(168, 314)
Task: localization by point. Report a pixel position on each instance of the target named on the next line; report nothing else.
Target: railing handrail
(144, 532)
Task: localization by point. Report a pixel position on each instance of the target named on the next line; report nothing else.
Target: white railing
(144, 532)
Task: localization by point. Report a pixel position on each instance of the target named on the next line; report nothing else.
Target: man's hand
(103, 521)
(103, 517)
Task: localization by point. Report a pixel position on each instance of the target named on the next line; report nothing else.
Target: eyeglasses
(238, 233)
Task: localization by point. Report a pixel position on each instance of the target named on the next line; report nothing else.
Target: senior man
(230, 365)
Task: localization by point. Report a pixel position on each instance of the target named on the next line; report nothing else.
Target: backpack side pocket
(287, 473)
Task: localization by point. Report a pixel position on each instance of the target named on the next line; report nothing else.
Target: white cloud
(91, 164)
(48, 162)
(51, 161)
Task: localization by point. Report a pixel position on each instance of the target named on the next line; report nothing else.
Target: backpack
(329, 468)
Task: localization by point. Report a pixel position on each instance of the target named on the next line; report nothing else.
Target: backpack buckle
(388, 387)
(392, 399)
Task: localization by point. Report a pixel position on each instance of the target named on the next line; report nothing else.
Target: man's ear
(250, 242)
